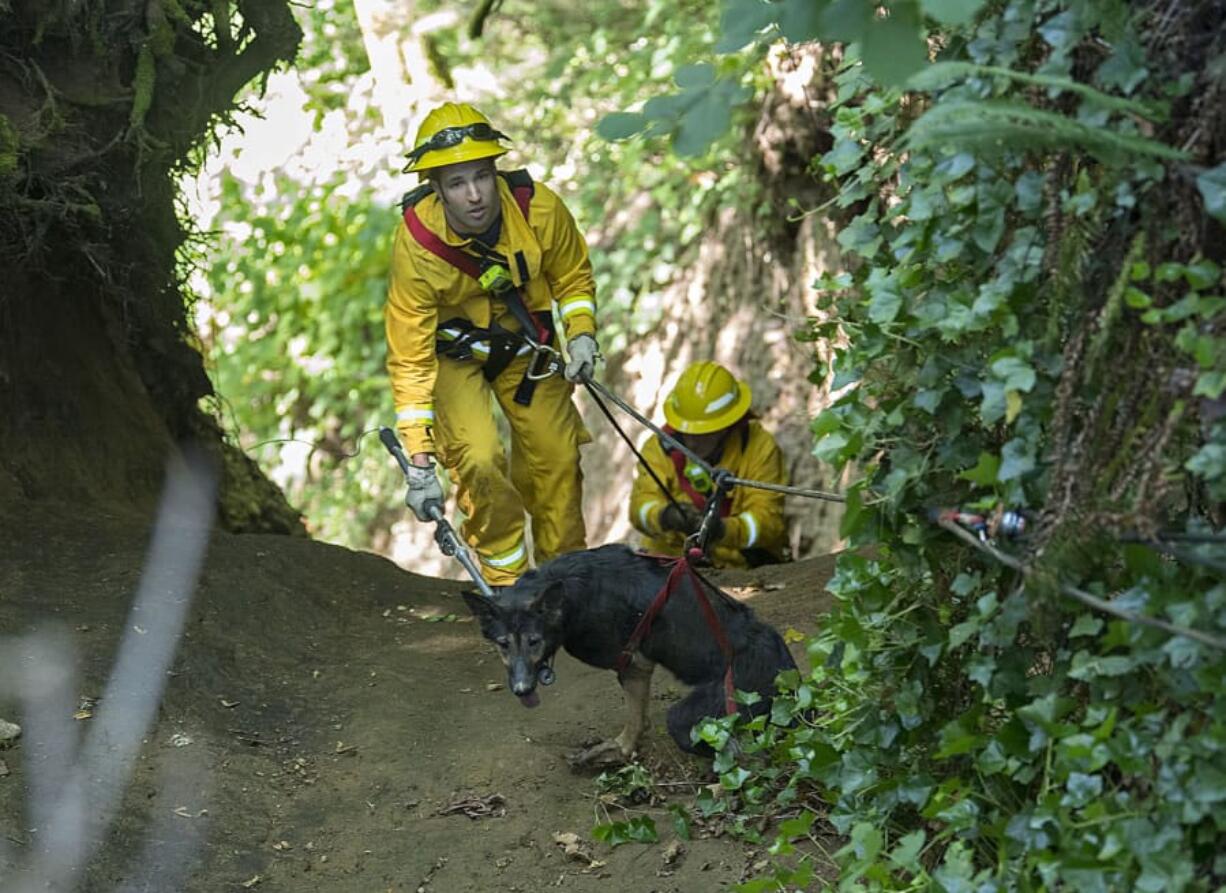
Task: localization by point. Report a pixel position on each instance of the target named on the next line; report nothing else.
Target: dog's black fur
(589, 603)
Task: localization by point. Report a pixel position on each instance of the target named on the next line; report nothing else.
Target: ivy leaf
(1209, 461)
(893, 48)
(708, 117)
(861, 236)
(1062, 31)
(885, 300)
(693, 77)
(906, 854)
(963, 631)
(1125, 68)
(741, 23)
(1013, 406)
(798, 20)
(984, 473)
(1086, 625)
(1212, 186)
(1017, 458)
(1210, 384)
(1016, 373)
(1089, 666)
(951, 12)
(846, 20)
(640, 829)
(620, 125)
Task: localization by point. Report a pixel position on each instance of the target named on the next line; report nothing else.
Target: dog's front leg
(636, 683)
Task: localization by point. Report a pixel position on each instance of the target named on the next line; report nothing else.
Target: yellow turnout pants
(543, 477)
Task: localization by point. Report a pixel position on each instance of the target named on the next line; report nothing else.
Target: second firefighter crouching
(709, 411)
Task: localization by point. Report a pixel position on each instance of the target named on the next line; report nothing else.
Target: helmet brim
(469, 150)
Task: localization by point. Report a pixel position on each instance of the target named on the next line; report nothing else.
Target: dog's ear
(550, 602)
(481, 607)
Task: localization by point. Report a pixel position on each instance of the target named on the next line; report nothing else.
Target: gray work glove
(583, 351)
(424, 489)
(681, 517)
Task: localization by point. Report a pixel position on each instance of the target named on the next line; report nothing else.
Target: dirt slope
(324, 707)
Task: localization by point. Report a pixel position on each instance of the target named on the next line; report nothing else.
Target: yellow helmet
(451, 133)
(707, 398)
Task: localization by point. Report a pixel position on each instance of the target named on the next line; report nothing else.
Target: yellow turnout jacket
(426, 289)
(755, 518)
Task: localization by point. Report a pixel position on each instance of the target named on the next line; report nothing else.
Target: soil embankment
(332, 722)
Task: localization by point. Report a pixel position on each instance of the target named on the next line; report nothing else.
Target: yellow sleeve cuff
(415, 425)
(647, 517)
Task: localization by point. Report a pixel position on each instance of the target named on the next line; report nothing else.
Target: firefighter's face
(469, 192)
(707, 446)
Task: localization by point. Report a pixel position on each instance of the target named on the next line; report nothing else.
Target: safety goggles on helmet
(453, 136)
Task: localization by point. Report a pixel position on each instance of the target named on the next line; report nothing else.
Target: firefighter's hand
(681, 517)
(583, 351)
(424, 489)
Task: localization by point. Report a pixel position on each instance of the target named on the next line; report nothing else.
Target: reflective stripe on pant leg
(545, 440)
(468, 446)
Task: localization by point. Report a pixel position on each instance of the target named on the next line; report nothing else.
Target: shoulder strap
(414, 196)
(522, 188)
(436, 246)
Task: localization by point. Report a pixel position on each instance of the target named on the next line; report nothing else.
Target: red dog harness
(678, 568)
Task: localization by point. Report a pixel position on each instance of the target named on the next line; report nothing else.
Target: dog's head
(525, 624)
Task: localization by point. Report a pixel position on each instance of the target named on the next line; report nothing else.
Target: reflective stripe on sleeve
(751, 529)
(643, 513)
(420, 414)
(577, 305)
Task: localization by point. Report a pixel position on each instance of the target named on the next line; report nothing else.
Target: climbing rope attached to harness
(596, 390)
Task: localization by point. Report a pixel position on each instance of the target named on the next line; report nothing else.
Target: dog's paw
(603, 755)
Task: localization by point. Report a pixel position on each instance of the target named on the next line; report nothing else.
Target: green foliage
(639, 829)
(695, 117)
(1212, 186)
(302, 340)
(1021, 316)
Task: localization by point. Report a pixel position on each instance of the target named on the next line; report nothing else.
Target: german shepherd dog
(589, 603)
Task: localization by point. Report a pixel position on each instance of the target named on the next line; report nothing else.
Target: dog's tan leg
(636, 683)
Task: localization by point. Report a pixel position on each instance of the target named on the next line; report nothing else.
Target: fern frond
(998, 126)
(941, 74)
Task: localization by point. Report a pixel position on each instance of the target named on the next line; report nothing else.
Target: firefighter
(480, 263)
(708, 411)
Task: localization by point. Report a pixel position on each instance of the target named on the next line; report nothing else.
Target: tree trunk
(99, 105)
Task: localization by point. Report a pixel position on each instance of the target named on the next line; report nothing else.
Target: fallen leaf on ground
(673, 851)
(251, 882)
(4, 769)
(574, 847)
(489, 806)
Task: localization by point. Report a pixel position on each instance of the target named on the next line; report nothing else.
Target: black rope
(618, 428)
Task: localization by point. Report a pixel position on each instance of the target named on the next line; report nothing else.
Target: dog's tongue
(531, 699)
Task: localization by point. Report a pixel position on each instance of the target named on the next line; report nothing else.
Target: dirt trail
(325, 706)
